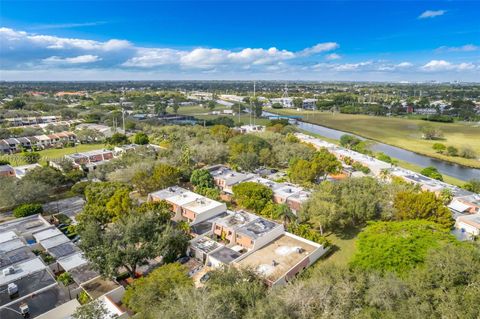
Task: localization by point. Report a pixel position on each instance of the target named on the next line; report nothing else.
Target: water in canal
(454, 170)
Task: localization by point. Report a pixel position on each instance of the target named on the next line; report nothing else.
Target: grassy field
(51, 154)
(403, 133)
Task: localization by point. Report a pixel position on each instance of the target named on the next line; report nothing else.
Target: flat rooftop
(54, 241)
(22, 270)
(203, 204)
(7, 236)
(10, 245)
(206, 226)
(25, 226)
(225, 255)
(83, 273)
(270, 184)
(38, 304)
(98, 287)
(277, 258)
(287, 190)
(257, 228)
(47, 233)
(473, 199)
(27, 285)
(63, 250)
(205, 244)
(15, 256)
(473, 220)
(230, 176)
(168, 192)
(236, 219)
(72, 261)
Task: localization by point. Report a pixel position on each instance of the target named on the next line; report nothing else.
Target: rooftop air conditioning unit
(8, 271)
(24, 310)
(12, 289)
(300, 250)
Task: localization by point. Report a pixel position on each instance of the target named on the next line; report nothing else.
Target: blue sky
(313, 40)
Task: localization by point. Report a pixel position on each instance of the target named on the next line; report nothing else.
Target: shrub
(432, 172)
(452, 151)
(439, 147)
(27, 210)
(31, 157)
(65, 278)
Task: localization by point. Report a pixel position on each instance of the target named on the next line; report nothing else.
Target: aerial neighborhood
(156, 200)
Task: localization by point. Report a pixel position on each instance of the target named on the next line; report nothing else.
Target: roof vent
(274, 263)
(300, 250)
(12, 289)
(8, 271)
(24, 310)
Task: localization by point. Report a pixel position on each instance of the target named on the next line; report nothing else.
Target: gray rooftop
(205, 244)
(26, 286)
(38, 304)
(15, 256)
(225, 255)
(63, 250)
(257, 228)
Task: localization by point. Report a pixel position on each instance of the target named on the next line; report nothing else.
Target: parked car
(205, 277)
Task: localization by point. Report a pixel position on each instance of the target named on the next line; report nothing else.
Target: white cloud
(66, 25)
(319, 48)
(442, 65)
(11, 38)
(463, 48)
(404, 65)
(333, 56)
(81, 59)
(432, 14)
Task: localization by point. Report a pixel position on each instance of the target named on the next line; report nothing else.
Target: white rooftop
(183, 198)
(47, 233)
(11, 245)
(54, 241)
(203, 204)
(23, 269)
(8, 235)
(72, 261)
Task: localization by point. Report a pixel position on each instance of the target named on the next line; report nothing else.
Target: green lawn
(344, 247)
(51, 154)
(404, 133)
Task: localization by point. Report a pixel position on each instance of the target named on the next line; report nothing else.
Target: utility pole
(123, 116)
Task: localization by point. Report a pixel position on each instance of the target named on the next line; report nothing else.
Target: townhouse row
(17, 144)
(465, 205)
(283, 193)
(222, 237)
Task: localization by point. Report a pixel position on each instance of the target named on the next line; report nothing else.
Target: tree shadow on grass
(347, 233)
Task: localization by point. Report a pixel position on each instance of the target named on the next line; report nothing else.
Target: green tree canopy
(252, 196)
(422, 205)
(150, 291)
(398, 246)
(202, 178)
(141, 138)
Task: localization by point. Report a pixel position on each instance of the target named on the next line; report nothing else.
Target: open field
(50, 154)
(403, 133)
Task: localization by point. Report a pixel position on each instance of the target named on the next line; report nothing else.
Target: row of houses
(222, 237)
(30, 120)
(283, 193)
(28, 285)
(17, 144)
(465, 205)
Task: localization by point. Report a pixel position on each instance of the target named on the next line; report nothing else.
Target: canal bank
(446, 168)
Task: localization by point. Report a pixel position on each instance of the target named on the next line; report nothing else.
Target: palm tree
(285, 214)
(384, 174)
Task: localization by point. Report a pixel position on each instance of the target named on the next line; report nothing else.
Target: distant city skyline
(229, 40)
